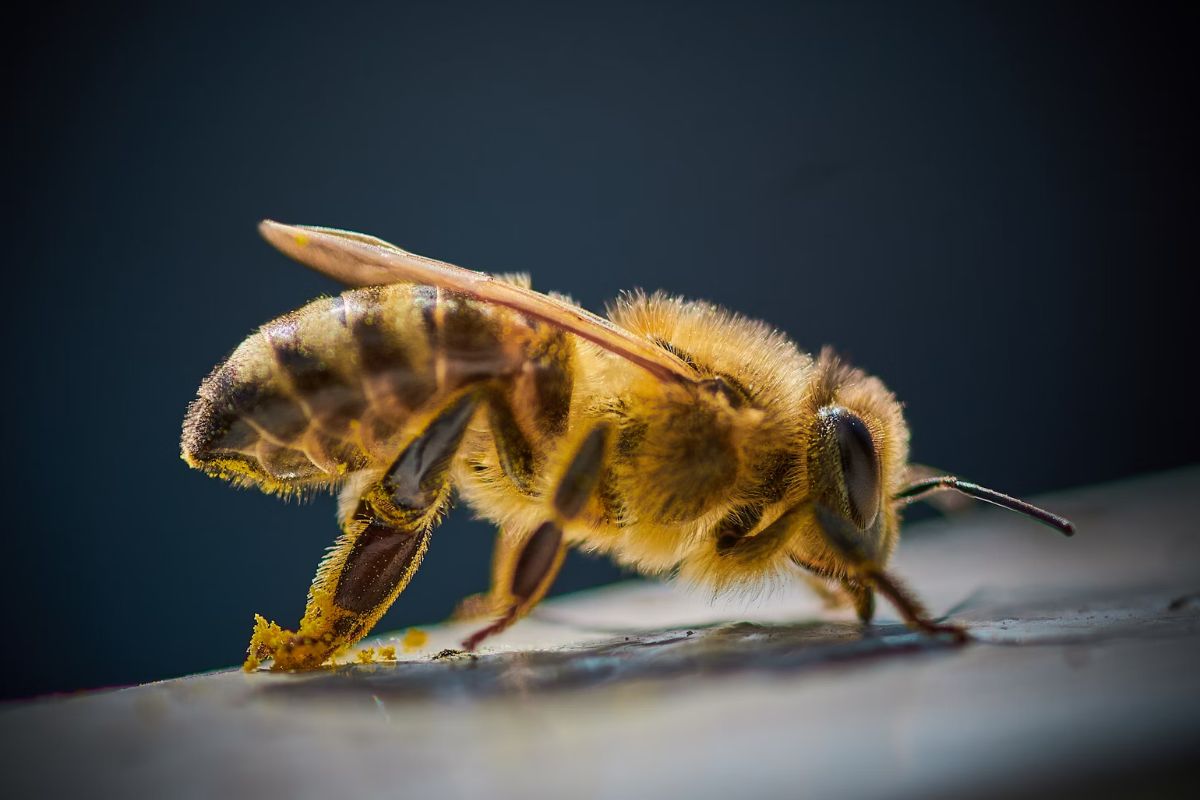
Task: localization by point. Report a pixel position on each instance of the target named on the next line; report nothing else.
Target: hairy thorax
(685, 458)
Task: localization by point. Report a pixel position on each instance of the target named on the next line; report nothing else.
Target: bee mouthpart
(841, 534)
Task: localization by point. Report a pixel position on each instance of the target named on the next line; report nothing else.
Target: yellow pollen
(414, 639)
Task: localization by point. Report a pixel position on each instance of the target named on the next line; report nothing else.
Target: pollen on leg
(267, 638)
(306, 648)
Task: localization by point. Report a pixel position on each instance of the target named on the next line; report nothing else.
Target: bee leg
(516, 458)
(830, 595)
(383, 541)
(869, 577)
(862, 597)
(537, 562)
(523, 574)
(513, 450)
(912, 611)
(498, 597)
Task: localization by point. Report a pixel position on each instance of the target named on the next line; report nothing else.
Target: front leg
(912, 611)
(867, 576)
(861, 596)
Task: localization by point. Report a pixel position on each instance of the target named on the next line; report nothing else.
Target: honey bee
(675, 436)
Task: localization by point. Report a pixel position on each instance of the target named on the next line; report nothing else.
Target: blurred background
(989, 205)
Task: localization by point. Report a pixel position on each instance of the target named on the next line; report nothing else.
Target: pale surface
(1083, 676)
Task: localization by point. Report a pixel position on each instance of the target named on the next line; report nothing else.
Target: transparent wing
(356, 259)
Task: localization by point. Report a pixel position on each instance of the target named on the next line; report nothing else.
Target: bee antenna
(919, 489)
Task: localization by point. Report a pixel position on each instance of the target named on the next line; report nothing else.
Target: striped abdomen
(328, 389)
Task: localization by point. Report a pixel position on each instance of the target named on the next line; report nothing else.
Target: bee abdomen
(273, 412)
(328, 389)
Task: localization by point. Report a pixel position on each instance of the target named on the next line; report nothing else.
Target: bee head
(858, 472)
(845, 468)
(857, 479)
(857, 450)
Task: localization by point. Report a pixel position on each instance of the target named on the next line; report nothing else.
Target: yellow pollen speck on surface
(301, 239)
(414, 639)
(366, 655)
(388, 653)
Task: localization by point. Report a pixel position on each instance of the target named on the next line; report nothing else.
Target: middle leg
(523, 572)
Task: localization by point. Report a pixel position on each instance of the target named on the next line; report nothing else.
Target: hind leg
(384, 538)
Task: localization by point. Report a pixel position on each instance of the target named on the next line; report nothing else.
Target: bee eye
(860, 465)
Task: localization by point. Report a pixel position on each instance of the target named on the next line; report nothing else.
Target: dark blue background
(989, 205)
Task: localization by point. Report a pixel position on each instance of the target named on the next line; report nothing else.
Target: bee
(674, 436)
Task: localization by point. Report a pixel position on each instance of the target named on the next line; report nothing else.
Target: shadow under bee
(669, 654)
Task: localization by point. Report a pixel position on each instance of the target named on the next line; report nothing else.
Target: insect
(675, 436)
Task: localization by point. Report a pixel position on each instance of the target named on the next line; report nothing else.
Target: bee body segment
(337, 386)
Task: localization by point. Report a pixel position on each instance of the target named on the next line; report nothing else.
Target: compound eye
(860, 465)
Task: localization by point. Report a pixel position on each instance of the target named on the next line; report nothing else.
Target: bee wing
(356, 259)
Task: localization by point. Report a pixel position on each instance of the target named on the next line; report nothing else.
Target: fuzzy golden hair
(675, 436)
